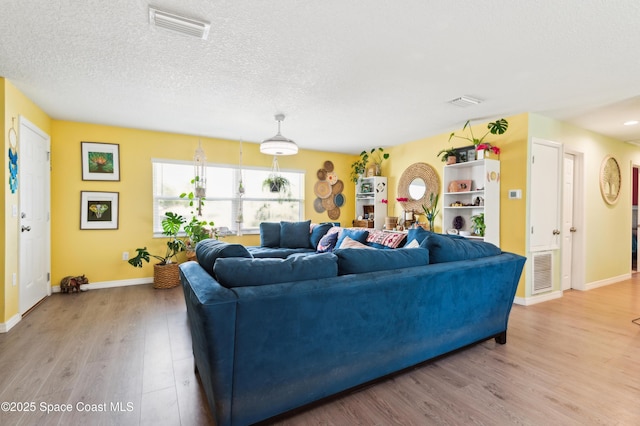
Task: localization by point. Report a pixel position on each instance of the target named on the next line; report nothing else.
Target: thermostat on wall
(515, 194)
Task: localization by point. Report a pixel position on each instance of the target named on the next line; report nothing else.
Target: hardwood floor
(127, 351)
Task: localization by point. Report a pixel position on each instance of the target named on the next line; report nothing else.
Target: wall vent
(542, 272)
(180, 24)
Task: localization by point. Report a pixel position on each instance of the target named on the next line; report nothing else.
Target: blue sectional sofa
(274, 334)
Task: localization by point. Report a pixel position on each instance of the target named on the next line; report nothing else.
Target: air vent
(179, 24)
(542, 272)
(465, 101)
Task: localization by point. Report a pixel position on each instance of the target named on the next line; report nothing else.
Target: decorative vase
(481, 153)
(451, 159)
(390, 222)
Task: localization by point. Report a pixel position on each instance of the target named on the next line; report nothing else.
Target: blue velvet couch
(272, 334)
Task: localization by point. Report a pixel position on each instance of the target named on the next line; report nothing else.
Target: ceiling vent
(465, 101)
(179, 24)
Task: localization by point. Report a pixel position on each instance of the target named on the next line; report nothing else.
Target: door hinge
(48, 276)
(48, 155)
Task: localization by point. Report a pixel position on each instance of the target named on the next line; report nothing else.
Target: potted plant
(450, 156)
(497, 127)
(478, 224)
(377, 155)
(165, 272)
(196, 229)
(359, 166)
(276, 183)
(432, 211)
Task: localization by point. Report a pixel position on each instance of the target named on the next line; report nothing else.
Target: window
(223, 202)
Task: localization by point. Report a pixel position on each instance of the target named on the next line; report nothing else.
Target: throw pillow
(327, 243)
(318, 232)
(209, 250)
(362, 261)
(295, 234)
(449, 248)
(269, 234)
(355, 234)
(413, 244)
(418, 234)
(239, 272)
(350, 243)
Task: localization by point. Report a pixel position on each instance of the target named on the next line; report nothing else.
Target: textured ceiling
(348, 74)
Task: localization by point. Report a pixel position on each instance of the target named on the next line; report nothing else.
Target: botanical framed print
(100, 161)
(98, 210)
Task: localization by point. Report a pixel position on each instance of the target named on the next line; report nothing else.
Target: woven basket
(166, 276)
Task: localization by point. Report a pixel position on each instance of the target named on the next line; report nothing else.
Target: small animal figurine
(70, 284)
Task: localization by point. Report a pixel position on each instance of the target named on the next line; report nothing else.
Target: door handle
(26, 228)
(572, 229)
(556, 232)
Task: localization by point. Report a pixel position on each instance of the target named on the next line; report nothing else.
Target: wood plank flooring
(127, 351)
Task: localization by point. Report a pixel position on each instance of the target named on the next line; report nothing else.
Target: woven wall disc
(334, 213)
(317, 205)
(321, 174)
(328, 166)
(328, 203)
(322, 189)
(337, 187)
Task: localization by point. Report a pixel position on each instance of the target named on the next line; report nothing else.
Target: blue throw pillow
(237, 272)
(269, 234)
(209, 250)
(318, 232)
(418, 234)
(353, 261)
(358, 235)
(449, 248)
(327, 243)
(295, 234)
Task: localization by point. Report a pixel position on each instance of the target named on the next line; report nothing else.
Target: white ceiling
(348, 74)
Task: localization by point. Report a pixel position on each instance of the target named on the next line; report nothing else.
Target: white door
(568, 228)
(545, 195)
(35, 227)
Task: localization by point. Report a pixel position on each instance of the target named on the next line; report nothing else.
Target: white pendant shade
(278, 144)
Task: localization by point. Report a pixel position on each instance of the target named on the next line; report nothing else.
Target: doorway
(34, 221)
(634, 219)
(573, 231)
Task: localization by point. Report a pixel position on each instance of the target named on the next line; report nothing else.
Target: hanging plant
(276, 183)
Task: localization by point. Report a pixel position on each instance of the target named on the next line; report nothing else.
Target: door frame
(579, 206)
(24, 122)
(635, 165)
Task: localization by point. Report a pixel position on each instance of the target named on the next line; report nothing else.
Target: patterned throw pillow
(327, 243)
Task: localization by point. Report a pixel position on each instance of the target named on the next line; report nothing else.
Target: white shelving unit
(372, 198)
(483, 196)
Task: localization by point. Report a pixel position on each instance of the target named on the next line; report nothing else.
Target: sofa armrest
(211, 310)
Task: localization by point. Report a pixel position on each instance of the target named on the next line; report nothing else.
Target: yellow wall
(98, 253)
(14, 104)
(513, 163)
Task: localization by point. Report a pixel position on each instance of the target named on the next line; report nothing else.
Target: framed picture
(471, 155)
(98, 210)
(100, 161)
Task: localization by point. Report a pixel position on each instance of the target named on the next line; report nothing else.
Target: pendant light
(278, 144)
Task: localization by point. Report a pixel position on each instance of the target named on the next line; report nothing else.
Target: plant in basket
(165, 273)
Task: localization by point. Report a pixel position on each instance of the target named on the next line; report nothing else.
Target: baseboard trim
(110, 284)
(608, 281)
(532, 300)
(6, 326)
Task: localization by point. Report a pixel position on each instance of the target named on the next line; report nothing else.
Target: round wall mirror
(416, 184)
(417, 188)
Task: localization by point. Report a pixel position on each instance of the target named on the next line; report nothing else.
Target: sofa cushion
(209, 250)
(355, 234)
(269, 234)
(239, 272)
(280, 252)
(412, 244)
(295, 234)
(360, 261)
(327, 243)
(449, 248)
(319, 231)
